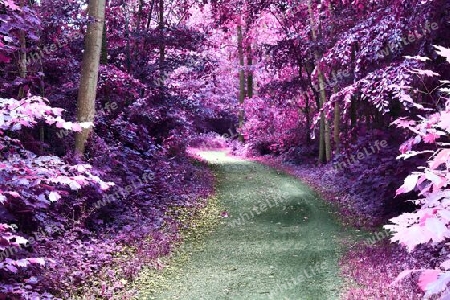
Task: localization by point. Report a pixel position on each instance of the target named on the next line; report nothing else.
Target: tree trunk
(250, 86)
(139, 17)
(104, 55)
(321, 140)
(325, 127)
(22, 58)
(308, 120)
(337, 111)
(307, 109)
(324, 140)
(337, 117)
(149, 16)
(89, 71)
(147, 26)
(42, 128)
(127, 35)
(162, 48)
(354, 98)
(241, 79)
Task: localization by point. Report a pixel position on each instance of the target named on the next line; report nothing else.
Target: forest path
(280, 240)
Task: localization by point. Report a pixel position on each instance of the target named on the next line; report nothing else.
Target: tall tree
(89, 71)
(241, 75)
(324, 139)
(162, 47)
(337, 110)
(128, 37)
(22, 57)
(104, 55)
(250, 79)
(307, 110)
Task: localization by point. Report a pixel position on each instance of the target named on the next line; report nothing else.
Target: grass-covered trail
(279, 242)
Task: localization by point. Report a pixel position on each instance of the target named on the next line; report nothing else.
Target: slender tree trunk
(139, 17)
(104, 55)
(89, 71)
(307, 109)
(353, 111)
(354, 98)
(324, 141)
(321, 140)
(327, 136)
(250, 83)
(309, 69)
(147, 25)
(241, 78)
(337, 118)
(149, 17)
(162, 47)
(42, 128)
(316, 96)
(127, 35)
(139, 31)
(337, 112)
(308, 121)
(22, 57)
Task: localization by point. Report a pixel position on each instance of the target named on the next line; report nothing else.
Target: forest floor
(276, 240)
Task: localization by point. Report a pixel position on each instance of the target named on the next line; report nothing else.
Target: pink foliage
(428, 224)
(30, 181)
(270, 126)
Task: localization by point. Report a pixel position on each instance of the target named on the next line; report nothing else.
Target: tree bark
(354, 98)
(104, 55)
(250, 81)
(337, 118)
(308, 121)
(22, 58)
(127, 35)
(162, 48)
(307, 109)
(337, 112)
(139, 17)
(241, 78)
(149, 17)
(89, 71)
(42, 128)
(324, 140)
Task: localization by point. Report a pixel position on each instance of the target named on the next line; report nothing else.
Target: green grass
(288, 249)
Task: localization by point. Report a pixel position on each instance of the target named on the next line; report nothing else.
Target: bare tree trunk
(89, 71)
(127, 35)
(250, 85)
(42, 128)
(162, 47)
(354, 98)
(337, 118)
(307, 110)
(337, 111)
(324, 133)
(149, 17)
(324, 142)
(147, 26)
(327, 134)
(22, 58)
(104, 55)
(241, 78)
(139, 17)
(308, 120)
